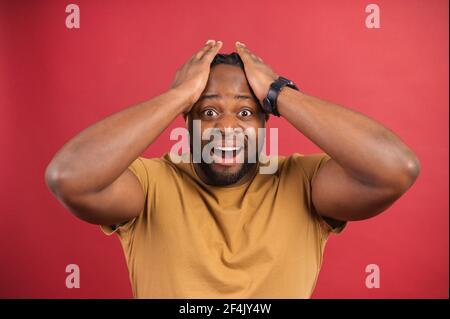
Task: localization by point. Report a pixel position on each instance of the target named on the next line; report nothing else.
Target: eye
(209, 113)
(245, 113)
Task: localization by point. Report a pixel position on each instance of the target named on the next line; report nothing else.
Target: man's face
(227, 102)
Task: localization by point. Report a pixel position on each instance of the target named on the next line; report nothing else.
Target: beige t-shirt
(260, 239)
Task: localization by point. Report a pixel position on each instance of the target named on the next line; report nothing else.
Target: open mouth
(226, 155)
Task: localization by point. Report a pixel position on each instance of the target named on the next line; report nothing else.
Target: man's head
(227, 102)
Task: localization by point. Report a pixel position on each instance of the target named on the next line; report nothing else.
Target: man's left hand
(259, 75)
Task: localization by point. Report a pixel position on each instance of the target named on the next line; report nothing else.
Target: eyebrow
(217, 96)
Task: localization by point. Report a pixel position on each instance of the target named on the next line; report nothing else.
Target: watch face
(266, 106)
(284, 80)
(288, 83)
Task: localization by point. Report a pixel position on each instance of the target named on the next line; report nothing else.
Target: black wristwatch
(270, 101)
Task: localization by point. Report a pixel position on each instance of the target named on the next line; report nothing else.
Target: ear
(264, 117)
(188, 120)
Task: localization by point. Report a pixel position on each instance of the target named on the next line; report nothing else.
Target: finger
(211, 53)
(202, 51)
(254, 56)
(247, 52)
(243, 52)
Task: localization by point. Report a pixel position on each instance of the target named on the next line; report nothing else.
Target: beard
(218, 175)
(225, 177)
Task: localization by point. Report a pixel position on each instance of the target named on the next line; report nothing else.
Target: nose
(231, 130)
(226, 121)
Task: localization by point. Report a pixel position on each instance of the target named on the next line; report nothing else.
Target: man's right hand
(193, 75)
(90, 174)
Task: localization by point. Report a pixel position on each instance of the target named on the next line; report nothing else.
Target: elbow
(413, 168)
(52, 178)
(55, 180)
(407, 174)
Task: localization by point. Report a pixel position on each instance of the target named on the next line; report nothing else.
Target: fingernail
(219, 42)
(209, 41)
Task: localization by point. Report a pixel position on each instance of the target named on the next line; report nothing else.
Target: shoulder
(163, 163)
(166, 166)
(305, 165)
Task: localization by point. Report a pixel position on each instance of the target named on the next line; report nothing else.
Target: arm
(90, 175)
(370, 166)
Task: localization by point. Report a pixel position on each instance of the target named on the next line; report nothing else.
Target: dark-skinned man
(224, 230)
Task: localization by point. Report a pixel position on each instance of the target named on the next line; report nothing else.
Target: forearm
(97, 156)
(367, 151)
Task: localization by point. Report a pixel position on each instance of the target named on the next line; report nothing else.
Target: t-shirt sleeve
(140, 170)
(308, 166)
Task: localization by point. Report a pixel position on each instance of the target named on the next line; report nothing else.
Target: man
(220, 229)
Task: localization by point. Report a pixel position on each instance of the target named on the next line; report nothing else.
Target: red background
(54, 82)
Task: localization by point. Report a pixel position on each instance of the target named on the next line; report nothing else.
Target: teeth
(228, 149)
